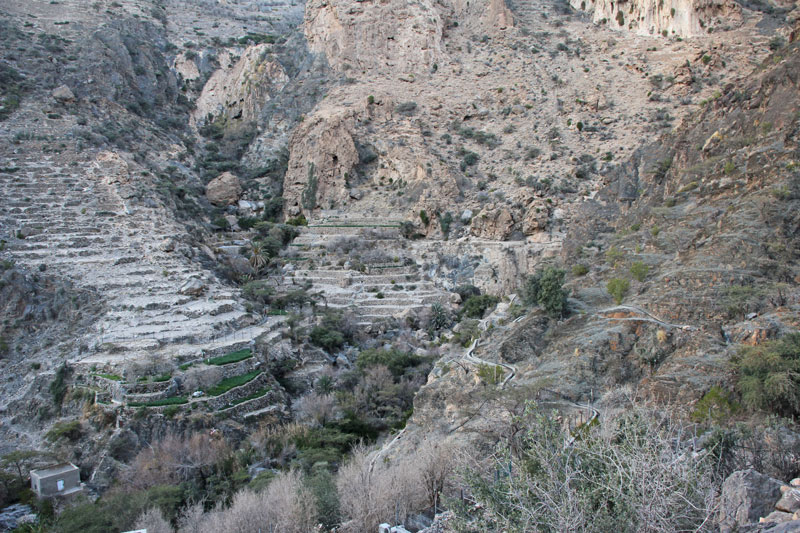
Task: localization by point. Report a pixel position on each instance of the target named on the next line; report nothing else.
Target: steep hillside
(257, 233)
(701, 226)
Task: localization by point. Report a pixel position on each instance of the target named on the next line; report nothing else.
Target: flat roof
(54, 470)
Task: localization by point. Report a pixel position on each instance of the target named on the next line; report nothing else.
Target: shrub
(444, 222)
(395, 360)
(70, 430)
(423, 216)
(326, 338)
(406, 108)
(544, 288)
(476, 306)
(639, 270)
(626, 474)
(579, 270)
(768, 375)
(440, 318)
(58, 387)
(715, 406)
(618, 288)
(299, 220)
(614, 255)
(490, 374)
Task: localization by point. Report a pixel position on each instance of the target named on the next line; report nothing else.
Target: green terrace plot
(233, 357)
(175, 400)
(257, 394)
(112, 377)
(235, 381)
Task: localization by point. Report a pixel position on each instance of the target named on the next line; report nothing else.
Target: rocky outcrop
(225, 189)
(682, 18)
(322, 156)
(404, 37)
(238, 90)
(496, 224)
(747, 496)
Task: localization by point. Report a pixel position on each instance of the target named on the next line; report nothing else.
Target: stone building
(57, 480)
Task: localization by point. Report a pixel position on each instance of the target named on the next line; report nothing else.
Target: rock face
(684, 18)
(238, 90)
(225, 189)
(322, 157)
(493, 224)
(747, 496)
(403, 36)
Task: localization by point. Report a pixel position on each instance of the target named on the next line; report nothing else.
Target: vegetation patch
(768, 376)
(174, 400)
(235, 381)
(233, 357)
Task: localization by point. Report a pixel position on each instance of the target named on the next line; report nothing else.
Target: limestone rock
(225, 189)
(498, 16)
(62, 93)
(683, 18)
(535, 219)
(404, 36)
(111, 168)
(493, 224)
(193, 287)
(322, 151)
(789, 502)
(747, 495)
(777, 516)
(241, 91)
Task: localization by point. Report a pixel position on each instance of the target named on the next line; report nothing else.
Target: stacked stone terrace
(374, 290)
(63, 214)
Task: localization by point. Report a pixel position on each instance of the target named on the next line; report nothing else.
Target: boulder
(62, 93)
(225, 189)
(777, 517)
(789, 502)
(747, 495)
(356, 194)
(193, 287)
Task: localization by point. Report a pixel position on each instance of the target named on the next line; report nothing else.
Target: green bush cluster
(477, 305)
(545, 288)
(618, 288)
(768, 376)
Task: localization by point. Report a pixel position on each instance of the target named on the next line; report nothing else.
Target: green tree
(545, 288)
(768, 375)
(639, 270)
(618, 288)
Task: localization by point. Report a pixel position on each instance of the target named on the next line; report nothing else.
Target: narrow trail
(649, 317)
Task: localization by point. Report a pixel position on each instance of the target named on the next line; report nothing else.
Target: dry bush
(176, 459)
(316, 409)
(277, 442)
(153, 521)
(631, 472)
(151, 366)
(371, 491)
(201, 378)
(285, 506)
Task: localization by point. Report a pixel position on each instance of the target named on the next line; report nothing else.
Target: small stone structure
(58, 480)
(386, 528)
